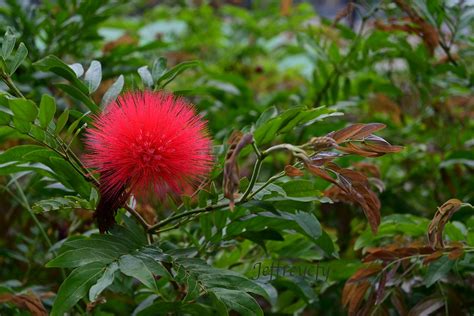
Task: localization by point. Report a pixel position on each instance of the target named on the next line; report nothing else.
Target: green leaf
(169, 76)
(288, 120)
(78, 257)
(75, 287)
(8, 44)
(113, 92)
(205, 223)
(62, 203)
(69, 176)
(301, 188)
(134, 267)
(62, 120)
(74, 124)
(309, 223)
(103, 282)
(145, 75)
(238, 301)
(23, 109)
(57, 66)
(47, 110)
(437, 270)
(79, 95)
(19, 57)
(93, 76)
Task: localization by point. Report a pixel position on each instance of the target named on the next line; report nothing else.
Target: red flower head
(146, 141)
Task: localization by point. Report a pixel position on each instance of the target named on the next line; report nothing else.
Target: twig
(11, 85)
(135, 214)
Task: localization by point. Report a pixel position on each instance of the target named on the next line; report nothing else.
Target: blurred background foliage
(406, 64)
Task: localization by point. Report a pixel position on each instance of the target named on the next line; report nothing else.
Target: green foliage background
(284, 76)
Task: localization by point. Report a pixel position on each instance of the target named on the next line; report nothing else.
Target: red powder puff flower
(145, 141)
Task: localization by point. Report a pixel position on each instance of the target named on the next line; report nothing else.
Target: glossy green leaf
(8, 44)
(103, 282)
(18, 59)
(238, 301)
(54, 64)
(79, 257)
(47, 110)
(75, 287)
(62, 120)
(134, 267)
(171, 74)
(23, 109)
(438, 270)
(80, 96)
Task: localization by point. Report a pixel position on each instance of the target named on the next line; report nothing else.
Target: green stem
(255, 173)
(11, 85)
(32, 214)
(248, 194)
(186, 214)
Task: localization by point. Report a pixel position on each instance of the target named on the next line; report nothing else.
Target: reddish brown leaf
(370, 205)
(382, 148)
(29, 302)
(285, 7)
(350, 148)
(345, 133)
(427, 32)
(347, 291)
(346, 11)
(456, 253)
(381, 288)
(357, 296)
(406, 251)
(231, 184)
(365, 272)
(291, 171)
(368, 169)
(320, 173)
(382, 254)
(354, 188)
(427, 306)
(397, 301)
(368, 129)
(436, 227)
(434, 256)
